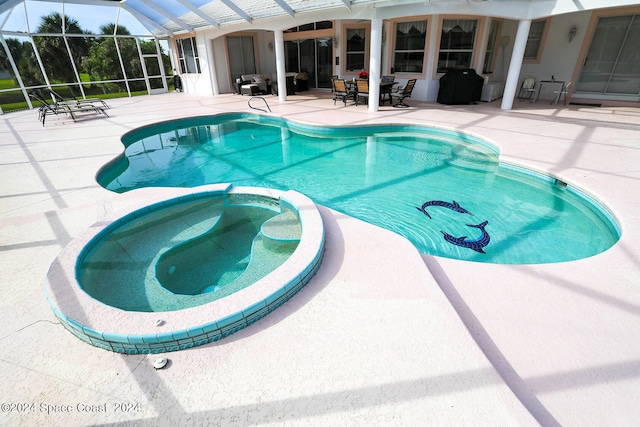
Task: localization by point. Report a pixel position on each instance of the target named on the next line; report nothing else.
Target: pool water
(185, 253)
(445, 191)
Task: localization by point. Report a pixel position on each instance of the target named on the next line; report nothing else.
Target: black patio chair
(403, 93)
(342, 92)
(333, 86)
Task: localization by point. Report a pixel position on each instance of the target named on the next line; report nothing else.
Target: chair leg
(401, 104)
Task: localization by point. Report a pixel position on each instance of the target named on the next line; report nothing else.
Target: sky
(90, 18)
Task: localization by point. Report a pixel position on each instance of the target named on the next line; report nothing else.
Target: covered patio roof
(186, 16)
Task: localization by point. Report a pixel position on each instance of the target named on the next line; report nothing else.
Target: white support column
(280, 65)
(375, 64)
(213, 72)
(511, 85)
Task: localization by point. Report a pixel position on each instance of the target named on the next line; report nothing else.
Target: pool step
(282, 228)
(278, 238)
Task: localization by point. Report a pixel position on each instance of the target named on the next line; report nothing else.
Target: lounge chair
(342, 92)
(59, 99)
(44, 108)
(66, 108)
(404, 93)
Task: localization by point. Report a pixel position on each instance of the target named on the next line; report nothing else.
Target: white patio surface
(382, 335)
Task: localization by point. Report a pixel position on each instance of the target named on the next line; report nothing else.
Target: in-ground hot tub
(191, 267)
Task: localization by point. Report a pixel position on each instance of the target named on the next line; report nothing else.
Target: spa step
(284, 228)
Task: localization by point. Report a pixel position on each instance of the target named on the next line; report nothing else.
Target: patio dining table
(385, 89)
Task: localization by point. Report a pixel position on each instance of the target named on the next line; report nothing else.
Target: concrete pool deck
(381, 335)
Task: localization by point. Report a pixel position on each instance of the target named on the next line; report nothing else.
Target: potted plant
(363, 75)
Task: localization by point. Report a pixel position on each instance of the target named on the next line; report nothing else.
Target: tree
(15, 47)
(103, 63)
(111, 29)
(53, 51)
(25, 60)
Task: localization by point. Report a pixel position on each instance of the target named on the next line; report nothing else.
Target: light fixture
(572, 33)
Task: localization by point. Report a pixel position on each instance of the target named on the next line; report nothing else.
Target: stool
(251, 89)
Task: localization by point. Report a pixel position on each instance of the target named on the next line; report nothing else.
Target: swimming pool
(446, 191)
(187, 251)
(173, 273)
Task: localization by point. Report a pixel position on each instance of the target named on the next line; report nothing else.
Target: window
(456, 44)
(534, 41)
(188, 55)
(487, 66)
(408, 56)
(321, 25)
(355, 49)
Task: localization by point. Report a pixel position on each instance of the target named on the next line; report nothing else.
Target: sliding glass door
(242, 58)
(611, 67)
(311, 56)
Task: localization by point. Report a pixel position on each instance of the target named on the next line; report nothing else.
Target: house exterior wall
(560, 57)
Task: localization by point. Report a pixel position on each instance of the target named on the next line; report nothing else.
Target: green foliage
(111, 29)
(102, 62)
(95, 58)
(15, 47)
(53, 50)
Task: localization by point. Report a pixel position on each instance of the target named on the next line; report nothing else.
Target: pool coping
(129, 332)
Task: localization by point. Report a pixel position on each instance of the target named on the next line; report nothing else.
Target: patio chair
(527, 89)
(362, 90)
(342, 91)
(333, 86)
(60, 99)
(560, 93)
(404, 93)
